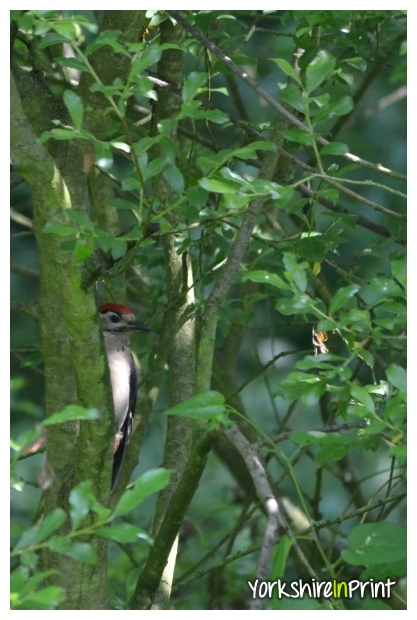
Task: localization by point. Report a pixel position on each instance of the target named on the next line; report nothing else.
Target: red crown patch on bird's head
(112, 307)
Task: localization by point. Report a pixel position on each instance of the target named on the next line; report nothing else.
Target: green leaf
(399, 452)
(335, 148)
(358, 63)
(197, 196)
(66, 133)
(342, 296)
(104, 240)
(23, 590)
(130, 183)
(149, 57)
(66, 28)
(332, 195)
(79, 501)
(367, 357)
(81, 218)
(121, 146)
(51, 228)
(209, 163)
(248, 151)
(174, 177)
(304, 386)
(131, 582)
(203, 406)
(52, 38)
(294, 97)
(286, 68)
(18, 578)
(362, 396)
(71, 412)
(265, 277)
(193, 85)
(319, 69)
(47, 598)
(397, 376)
(144, 86)
(28, 537)
(342, 106)
(107, 37)
(124, 533)
(83, 249)
(156, 166)
(107, 91)
(312, 393)
(331, 452)
(387, 287)
(103, 156)
(81, 552)
(298, 304)
(151, 482)
(50, 523)
(118, 248)
(220, 187)
(376, 543)
(399, 271)
(284, 548)
(32, 360)
(82, 500)
(41, 27)
(143, 145)
(233, 201)
(294, 272)
(75, 107)
(29, 558)
(34, 581)
(192, 109)
(307, 438)
(298, 135)
(72, 63)
(312, 249)
(119, 203)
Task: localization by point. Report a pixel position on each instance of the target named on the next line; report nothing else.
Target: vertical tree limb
(224, 282)
(179, 316)
(266, 495)
(74, 368)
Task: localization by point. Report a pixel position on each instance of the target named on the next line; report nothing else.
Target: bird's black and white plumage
(118, 324)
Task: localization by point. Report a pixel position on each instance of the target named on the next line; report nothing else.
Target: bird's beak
(140, 327)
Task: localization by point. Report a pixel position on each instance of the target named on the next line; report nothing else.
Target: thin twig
(30, 310)
(17, 217)
(335, 428)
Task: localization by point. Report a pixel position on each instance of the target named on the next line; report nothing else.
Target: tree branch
(150, 577)
(273, 102)
(267, 498)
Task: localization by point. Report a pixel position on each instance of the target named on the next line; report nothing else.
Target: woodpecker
(118, 324)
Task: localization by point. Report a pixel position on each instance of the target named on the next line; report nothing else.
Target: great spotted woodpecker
(118, 324)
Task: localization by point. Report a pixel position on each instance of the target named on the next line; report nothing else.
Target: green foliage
(27, 591)
(310, 345)
(26, 594)
(376, 543)
(208, 407)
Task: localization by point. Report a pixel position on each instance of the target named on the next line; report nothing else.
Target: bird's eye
(114, 318)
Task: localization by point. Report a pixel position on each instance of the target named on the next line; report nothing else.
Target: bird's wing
(126, 428)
